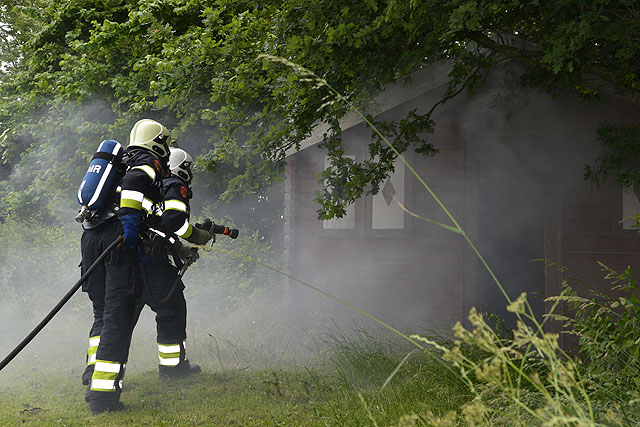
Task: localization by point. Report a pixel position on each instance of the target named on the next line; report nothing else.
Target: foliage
(525, 381)
(191, 64)
(608, 331)
(19, 21)
(621, 156)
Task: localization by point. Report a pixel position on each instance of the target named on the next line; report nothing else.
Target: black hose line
(171, 291)
(58, 306)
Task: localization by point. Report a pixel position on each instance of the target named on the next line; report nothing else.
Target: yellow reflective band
(133, 204)
(148, 170)
(131, 199)
(185, 231)
(175, 205)
(105, 374)
(169, 355)
(93, 349)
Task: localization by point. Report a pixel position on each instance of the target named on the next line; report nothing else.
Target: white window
(385, 212)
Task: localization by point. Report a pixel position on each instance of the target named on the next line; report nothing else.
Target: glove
(183, 251)
(207, 224)
(131, 224)
(187, 253)
(199, 236)
(194, 255)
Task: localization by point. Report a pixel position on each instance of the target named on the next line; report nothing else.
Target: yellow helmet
(152, 136)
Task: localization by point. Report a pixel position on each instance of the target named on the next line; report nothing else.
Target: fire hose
(208, 225)
(60, 304)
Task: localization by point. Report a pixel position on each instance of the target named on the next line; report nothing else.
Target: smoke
(526, 153)
(236, 311)
(37, 267)
(500, 155)
(512, 151)
(506, 158)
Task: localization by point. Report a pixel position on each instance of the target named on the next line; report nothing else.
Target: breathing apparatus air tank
(101, 178)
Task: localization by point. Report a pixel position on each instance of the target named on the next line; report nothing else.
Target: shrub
(608, 331)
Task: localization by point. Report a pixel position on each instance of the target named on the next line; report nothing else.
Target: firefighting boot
(181, 370)
(100, 402)
(118, 406)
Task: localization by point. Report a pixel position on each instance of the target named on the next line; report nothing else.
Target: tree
(192, 64)
(18, 22)
(621, 156)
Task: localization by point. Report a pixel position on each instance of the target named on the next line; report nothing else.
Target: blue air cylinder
(100, 180)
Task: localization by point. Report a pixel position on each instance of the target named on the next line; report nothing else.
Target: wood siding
(425, 277)
(410, 278)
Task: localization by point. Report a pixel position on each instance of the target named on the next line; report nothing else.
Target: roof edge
(397, 93)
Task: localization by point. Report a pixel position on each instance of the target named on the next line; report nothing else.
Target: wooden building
(510, 170)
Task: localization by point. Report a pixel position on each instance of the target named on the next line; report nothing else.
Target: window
(385, 212)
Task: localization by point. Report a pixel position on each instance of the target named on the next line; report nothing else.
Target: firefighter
(161, 276)
(113, 287)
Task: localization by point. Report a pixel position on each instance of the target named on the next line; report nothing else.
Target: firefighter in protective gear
(114, 286)
(161, 276)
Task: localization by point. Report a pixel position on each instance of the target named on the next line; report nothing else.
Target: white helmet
(180, 164)
(152, 136)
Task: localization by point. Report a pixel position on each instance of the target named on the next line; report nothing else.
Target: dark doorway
(512, 177)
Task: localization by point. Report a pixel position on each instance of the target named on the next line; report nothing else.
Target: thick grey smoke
(504, 154)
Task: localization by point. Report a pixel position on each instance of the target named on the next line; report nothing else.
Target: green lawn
(297, 396)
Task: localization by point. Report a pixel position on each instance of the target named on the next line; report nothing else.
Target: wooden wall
(424, 277)
(410, 278)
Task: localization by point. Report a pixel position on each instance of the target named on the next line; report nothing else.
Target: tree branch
(600, 77)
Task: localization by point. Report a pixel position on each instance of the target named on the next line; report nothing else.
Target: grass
(342, 389)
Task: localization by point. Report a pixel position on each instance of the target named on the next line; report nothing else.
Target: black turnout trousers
(112, 288)
(171, 316)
